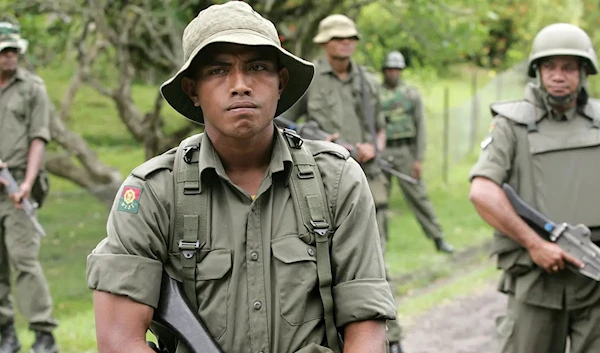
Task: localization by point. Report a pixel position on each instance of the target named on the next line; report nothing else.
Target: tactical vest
(187, 235)
(398, 109)
(555, 166)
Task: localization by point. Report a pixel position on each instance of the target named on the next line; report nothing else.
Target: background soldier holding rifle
(546, 147)
(24, 131)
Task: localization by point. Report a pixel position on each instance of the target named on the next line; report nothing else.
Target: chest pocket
(565, 172)
(213, 278)
(15, 120)
(322, 109)
(297, 280)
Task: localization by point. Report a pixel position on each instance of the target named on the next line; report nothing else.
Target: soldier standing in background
(403, 109)
(24, 131)
(344, 101)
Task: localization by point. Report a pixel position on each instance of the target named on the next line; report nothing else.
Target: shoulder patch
(522, 112)
(130, 199)
(317, 147)
(160, 162)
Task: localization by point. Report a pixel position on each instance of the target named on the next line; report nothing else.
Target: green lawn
(75, 222)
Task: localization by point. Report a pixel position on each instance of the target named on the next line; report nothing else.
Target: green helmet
(562, 39)
(393, 60)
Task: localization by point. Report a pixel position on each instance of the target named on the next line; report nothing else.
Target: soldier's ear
(189, 87)
(284, 77)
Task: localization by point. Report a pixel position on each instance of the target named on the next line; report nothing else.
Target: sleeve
(421, 137)
(361, 291)
(129, 261)
(40, 110)
(497, 152)
(377, 111)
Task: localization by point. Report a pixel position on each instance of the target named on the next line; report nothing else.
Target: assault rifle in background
(311, 131)
(28, 206)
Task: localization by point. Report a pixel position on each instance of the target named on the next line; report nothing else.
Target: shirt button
(254, 256)
(257, 305)
(311, 252)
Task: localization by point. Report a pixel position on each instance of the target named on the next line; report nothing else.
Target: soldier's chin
(560, 99)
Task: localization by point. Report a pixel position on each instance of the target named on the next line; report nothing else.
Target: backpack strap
(310, 202)
(191, 213)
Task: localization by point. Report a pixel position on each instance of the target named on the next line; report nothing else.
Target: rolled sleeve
(129, 261)
(361, 291)
(129, 275)
(41, 109)
(363, 299)
(497, 153)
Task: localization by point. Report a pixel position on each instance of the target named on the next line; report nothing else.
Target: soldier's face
(560, 75)
(340, 48)
(9, 57)
(392, 76)
(238, 88)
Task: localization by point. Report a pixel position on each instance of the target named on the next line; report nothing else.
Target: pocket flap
(214, 265)
(290, 249)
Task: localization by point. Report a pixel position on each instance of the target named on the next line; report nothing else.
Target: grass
(75, 221)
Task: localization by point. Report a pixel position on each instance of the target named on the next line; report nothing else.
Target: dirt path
(465, 325)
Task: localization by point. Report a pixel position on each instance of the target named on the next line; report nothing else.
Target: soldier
(226, 212)
(403, 109)
(336, 102)
(547, 147)
(24, 132)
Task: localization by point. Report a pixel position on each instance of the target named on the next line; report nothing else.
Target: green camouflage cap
(234, 22)
(10, 37)
(335, 26)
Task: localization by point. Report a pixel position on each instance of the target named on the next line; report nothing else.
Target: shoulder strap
(310, 202)
(191, 213)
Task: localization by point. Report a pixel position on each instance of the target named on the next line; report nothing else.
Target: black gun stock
(174, 317)
(312, 132)
(575, 240)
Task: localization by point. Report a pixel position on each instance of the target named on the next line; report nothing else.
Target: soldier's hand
(333, 137)
(23, 193)
(551, 257)
(366, 152)
(417, 170)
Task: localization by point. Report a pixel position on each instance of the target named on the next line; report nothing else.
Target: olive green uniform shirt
(257, 285)
(24, 116)
(505, 158)
(336, 105)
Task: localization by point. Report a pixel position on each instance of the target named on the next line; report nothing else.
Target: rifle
(311, 131)
(574, 240)
(174, 317)
(28, 206)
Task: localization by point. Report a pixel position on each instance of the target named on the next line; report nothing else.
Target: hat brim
(325, 37)
(20, 44)
(301, 73)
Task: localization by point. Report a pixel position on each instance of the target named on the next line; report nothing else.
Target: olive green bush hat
(335, 26)
(234, 22)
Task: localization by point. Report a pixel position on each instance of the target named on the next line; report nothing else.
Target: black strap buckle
(188, 153)
(188, 249)
(293, 139)
(320, 227)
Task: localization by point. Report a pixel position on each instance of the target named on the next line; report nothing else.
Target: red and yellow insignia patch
(130, 199)
(491, 128)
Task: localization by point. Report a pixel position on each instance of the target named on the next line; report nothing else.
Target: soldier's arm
(121, 324)
(365, 337)
(420, 125)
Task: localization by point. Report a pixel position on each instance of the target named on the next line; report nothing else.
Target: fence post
(446, 136)
(474, 112)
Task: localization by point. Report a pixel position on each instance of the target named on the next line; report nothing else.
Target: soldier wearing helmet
(403, 109)
(547, 147)
(336, 102)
